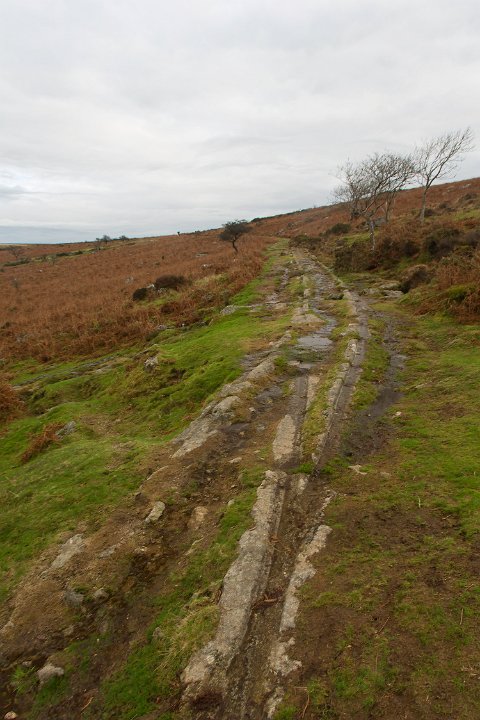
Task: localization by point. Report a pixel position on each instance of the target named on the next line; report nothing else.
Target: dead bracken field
(55, 306)
(55, 303)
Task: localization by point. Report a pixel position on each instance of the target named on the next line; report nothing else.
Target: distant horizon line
(24, 229)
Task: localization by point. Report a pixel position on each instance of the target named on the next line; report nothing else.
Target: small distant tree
(233, 230)
(439, 157)
(100, 241)
(16, 250)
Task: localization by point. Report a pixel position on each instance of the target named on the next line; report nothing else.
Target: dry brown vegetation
(443, 199)
(55, 304)
(42, 440)
(10, 403)
(83, 304)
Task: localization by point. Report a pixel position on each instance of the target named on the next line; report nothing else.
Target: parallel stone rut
(241, 676)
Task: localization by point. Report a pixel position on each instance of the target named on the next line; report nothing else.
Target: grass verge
(395, 599)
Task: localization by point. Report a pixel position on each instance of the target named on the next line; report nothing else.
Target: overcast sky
(152, 116)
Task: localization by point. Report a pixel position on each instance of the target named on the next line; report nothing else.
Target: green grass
(123, 414)
(374, 367)
(398, 585)
(187, 618)
(467, 214)
(356, 237)
(286, 712)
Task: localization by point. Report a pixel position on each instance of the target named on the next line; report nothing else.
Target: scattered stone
(100, 595)
(235, 460)
(10, 715)
(155, 513)
(68, 632)
(265, 368)
(104, 627)
(73, 598)
(197, 517)
(72, 547)
(398, 413)
(392, 285)
(302, 482)
(108, 552)
(229, 310)
(67, 429)
(49, 671)
(357, 469)
(157, 634)
(226, 406)
(150, 364)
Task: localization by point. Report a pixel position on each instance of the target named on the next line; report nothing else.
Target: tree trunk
(371, 228)
(424, 204)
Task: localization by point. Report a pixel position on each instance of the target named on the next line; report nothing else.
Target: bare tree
(439, 157)
(17, 251)
(398, 171)
(371, 186)
(233, 230)
(352, 189)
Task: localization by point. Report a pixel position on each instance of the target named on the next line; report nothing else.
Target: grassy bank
(122, 414)
(395, 600)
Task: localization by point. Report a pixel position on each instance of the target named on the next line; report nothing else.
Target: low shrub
(339, 229)
(170, 282)
(10, 403)
(140, 294)
(42, 440)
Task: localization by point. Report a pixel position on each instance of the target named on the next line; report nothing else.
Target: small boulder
(100, 595)
(155, 513)
(73, 598)
(150, 364)
(49, 671)
(10, 715)
(157, 634)
(229, 310)
(72, 547)
(67, 429)
(197, 517)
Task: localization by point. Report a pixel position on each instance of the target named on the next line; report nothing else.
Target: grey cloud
(146, 117)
